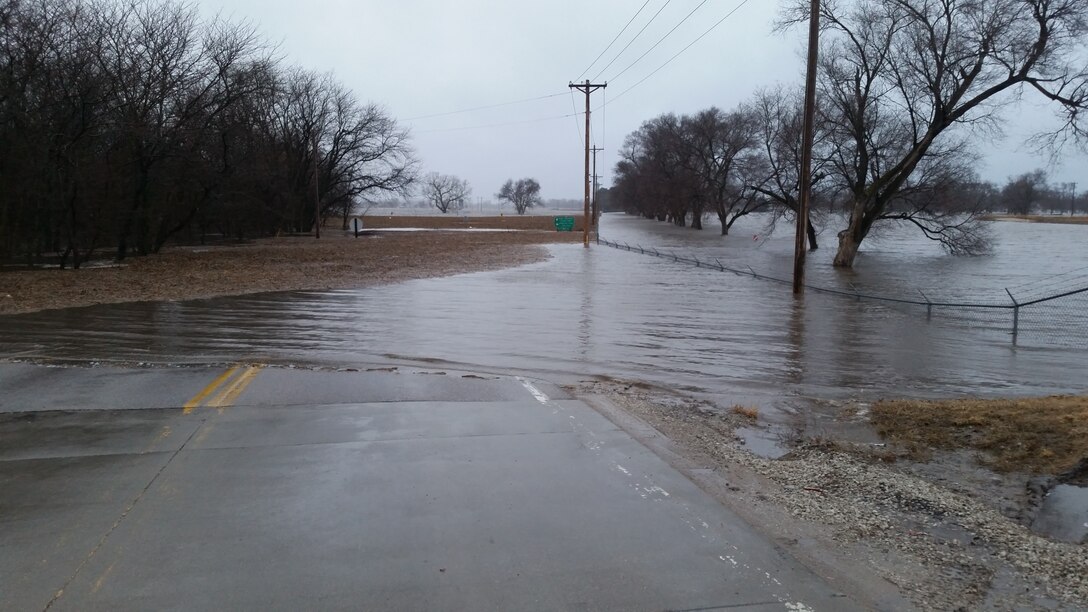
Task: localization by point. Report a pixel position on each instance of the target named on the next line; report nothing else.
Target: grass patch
(746, 412)
(1046, 435)
(1075, 220)
(453, 221)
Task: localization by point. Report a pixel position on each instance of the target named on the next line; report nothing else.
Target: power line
(667, 34)
(489, 106)
(617, 37)
(495, 125)
(633, 39)
(574, 105)
(681, 51)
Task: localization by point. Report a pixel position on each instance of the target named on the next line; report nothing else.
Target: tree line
(127, 123)
(906, 90)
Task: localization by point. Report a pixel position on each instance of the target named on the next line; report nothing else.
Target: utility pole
(587, 88)
(808, 137)
(317, 196)
(596, 211)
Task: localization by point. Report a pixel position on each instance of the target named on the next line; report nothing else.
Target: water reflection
(602, 311)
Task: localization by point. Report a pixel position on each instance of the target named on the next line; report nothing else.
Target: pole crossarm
(587, 88)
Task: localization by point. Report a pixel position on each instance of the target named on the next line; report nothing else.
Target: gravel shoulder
(942, 545)
(934, 526)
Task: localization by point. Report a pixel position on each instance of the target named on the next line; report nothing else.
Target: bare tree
(132, 122)
(524, 194)
(773, 171)
(659, 174)
(717, 143)
(445, 192)
(903, 81)
(1025, 192)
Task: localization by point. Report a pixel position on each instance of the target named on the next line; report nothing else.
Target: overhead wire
(661, 40)
(574, 106)
(618, 55)
(617, 37)
(681, 51)
(604, 103)
(486, 107)
(504, 124)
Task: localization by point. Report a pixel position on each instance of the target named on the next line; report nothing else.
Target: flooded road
(607, 312)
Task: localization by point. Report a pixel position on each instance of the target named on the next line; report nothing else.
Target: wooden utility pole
(807, 138)
(587, 88)
(596, 211)
(317, 196)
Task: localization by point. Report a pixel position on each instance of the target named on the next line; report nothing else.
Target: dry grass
(746, 412)
(1076, 220)
(1039, 435)
(295, 263)
(451, 221)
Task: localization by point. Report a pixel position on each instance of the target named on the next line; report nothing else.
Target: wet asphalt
(251, 487)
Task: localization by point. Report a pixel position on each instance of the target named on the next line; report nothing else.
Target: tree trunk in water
(812, 246)
(848, 249)
(696, 222)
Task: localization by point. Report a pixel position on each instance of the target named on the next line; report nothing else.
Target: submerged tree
(719, 146)
(774, 172)
(902, 80)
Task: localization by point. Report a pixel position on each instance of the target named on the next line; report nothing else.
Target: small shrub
(746, 412)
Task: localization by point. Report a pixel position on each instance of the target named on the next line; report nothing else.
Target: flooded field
(608, 312)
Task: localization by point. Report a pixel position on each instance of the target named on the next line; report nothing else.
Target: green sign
(564, 224)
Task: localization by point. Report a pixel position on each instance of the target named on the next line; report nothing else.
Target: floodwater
(603, 311)
(1064, 514)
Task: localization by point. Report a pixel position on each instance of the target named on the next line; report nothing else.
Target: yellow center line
(206, 391)
(230, 393)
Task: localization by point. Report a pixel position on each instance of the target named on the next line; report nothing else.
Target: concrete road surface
(245, 487)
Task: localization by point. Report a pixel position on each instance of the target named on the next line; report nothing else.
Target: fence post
(356, 227)
(1015, 315)
(720, 266)
(929, 305)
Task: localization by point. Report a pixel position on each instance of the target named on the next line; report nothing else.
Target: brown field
(337, 260)
(1077, 220)
(1038, 435)
(451, 221)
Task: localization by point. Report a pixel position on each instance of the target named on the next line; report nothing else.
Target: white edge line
(537, 393)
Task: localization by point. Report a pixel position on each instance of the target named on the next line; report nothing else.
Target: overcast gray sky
(422, 58)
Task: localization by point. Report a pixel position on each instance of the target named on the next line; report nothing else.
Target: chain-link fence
(1053, 310)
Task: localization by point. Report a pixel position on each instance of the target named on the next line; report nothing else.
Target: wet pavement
(254, 487)
(284, 465)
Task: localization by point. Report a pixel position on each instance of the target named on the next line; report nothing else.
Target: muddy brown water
(722, 337)
(608, 312)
